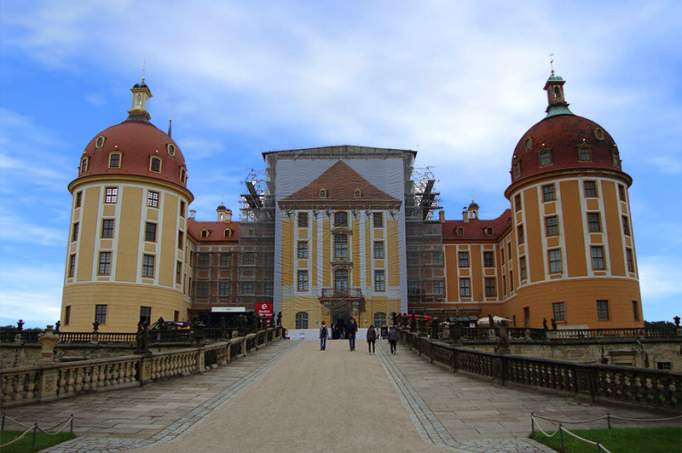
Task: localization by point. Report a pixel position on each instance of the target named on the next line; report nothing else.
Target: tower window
(72, 265)
(602, 310)
(630, 256)
(635, 310)
(67, 315)
(153, 199)
(584, 153)
(528, 144)
(621, 192)
(523, 270)
(552, 226)
(108, 228)
(303, 219)
(554, 258)
(104, 267)
(111, 195)
(155, 164)
(590, 189)
(148, 266)
(379, 250)
(115, 160)
(84, 165)
(150, 232)
(181, 239)
(302, 250)
(357, 193)
(378, 219)
(517, 202)
(99, 142)
(597, 255)
(74, 232)
(559, 311)
(615, 157)
(593, 222)
(302, 281)
(599, 133)
(519, 234)
(79, 198)
(545, 157)
(488, 259)
(182, 208)
(490, 289)
(626, 225)
(557, 92)
(548, 192)
(171, 149)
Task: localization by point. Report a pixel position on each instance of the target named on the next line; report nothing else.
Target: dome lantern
(556, 100)
(138, 110)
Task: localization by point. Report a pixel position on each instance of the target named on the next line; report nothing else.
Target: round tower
(126, 252)
(573, 249)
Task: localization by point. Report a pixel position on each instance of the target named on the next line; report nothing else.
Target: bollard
(561, 439)
(71, 424)
(608, 420)
(532, 424)
(33, 441)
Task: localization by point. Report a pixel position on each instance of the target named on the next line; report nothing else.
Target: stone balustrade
(51, 381)
(621, 384)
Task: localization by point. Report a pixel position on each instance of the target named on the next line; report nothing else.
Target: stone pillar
(145, 368)
(48, 341)
(48, 384)
(201, 361)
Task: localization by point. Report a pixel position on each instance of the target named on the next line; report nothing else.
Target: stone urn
(48, 340)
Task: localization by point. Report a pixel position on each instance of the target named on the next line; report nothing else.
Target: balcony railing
(341, 293)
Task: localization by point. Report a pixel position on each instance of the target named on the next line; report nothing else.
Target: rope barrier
(17, 439)
(646, 419)
(571, 422)
(63, 425)
(537, 425)
(7, 417)
(591, 442)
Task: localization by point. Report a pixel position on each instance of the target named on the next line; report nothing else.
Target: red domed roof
(563, 142)
(138, 142)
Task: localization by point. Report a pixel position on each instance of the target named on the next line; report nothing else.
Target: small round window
(100, 141)
(528, 144)
(599, 133)
(171, 149)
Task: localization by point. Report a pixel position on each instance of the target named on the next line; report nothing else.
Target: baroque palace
(342, 231)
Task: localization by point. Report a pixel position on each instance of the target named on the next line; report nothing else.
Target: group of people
(351, 329)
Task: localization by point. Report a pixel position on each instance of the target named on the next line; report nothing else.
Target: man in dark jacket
(351, 330)
(393, 339)
(323, 336)
(371, 339)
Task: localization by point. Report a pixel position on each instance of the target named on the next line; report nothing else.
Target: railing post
(562, 448)
(71, 424)
(532, 424)
(33, 440)
(454, 360)
(608, 420)
(48, 384)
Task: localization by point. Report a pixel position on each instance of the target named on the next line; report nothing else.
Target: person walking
(351, 330)
(371, 339)
(323, 336)
(393, 339)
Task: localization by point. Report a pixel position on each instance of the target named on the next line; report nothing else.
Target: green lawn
(24, 445)
(640, 440)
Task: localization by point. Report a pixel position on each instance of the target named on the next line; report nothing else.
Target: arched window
(557, 92)
(155, 164)
(615, 157)
(459, 231)
(228, 233)
(115, 160)
(357, 193)
(183, 175)
(302, 320)
(204, 233)
(584, 153)
(324, 193)
(545, 157)
(379, 319)
(84, 165)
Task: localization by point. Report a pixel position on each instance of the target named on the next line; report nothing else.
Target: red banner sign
(264, 309)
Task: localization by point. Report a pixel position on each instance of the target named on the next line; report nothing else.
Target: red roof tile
(215, 229)
(474, 230)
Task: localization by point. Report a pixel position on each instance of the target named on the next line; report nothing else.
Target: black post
(2, 425)
(33, 441)
(561, 439)
(532, 424)
(608, 420)
(71, 424)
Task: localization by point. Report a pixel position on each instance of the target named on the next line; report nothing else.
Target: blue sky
(458, 81)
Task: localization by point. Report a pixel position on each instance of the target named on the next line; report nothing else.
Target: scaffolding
(424, 241)
(256, 242)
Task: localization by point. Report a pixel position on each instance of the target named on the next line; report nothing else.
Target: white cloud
(660, 277)
(30, 293)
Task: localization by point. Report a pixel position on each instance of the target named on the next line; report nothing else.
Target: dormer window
(100, 141)
(459, 231)
(584, 153)
(324, 193)
(204, 233)
(171, 149)
(615, 157)
(545, 157)
(488, 231)
(516, 170)
(528, 144)
(357, 193)
(183, 175)
(599, 133)
(84, 165)
(228, 233)
(155, 164)
(115, 160)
